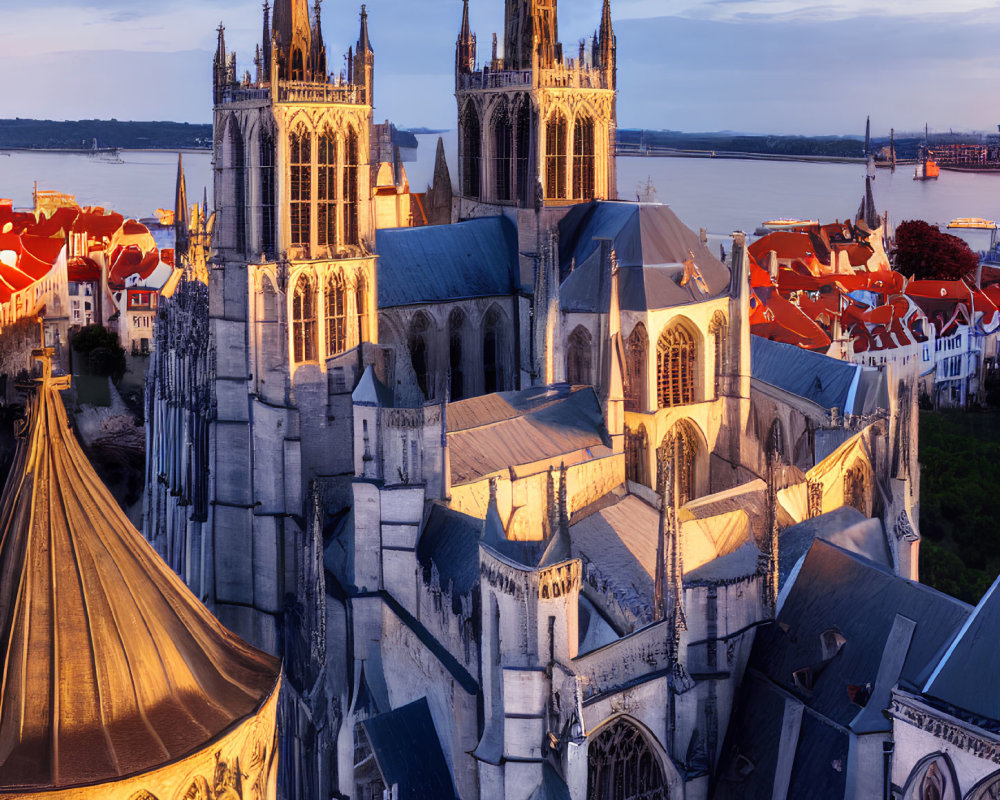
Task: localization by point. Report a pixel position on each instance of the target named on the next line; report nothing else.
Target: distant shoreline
(669, 152)
(103, 150)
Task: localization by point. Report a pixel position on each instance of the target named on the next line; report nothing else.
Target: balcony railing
(297, 92)
(495, 80)
(562, 77)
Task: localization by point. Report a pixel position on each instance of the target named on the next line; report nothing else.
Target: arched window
(471, 142)
(362, 305)
(456, 324)
(856, 488)
(304, 321)
(680, 447)
(522, 144)
(776, 442)
(555, 156)
(636, 456)
(987, 789)
(622, 766)
(493, 377)
(579, 355)
(298, 66)
(933, 778)
(583, 159)
(636, 359)
(352, 231)
(336, 315)
(503, 151)
(326, 190)
(301, 186)
(419, 355)
(238, 171)
(719, 330)
(675, 367)
(268, 218)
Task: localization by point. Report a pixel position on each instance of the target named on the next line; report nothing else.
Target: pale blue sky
(776, 66)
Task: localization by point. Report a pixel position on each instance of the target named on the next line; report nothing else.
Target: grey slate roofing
(651, 244)
(842, 592)
(371, 391)
(408, 752)
(441, 263)
(500, 431)
(450, 541)
(741, 563)
(828, 382)
(845, 527)
(966, 677)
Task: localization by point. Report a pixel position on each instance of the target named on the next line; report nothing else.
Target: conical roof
(111, 667)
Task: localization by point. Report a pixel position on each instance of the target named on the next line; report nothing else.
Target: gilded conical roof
(111, 667)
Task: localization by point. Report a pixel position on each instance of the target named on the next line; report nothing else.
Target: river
(720, 195)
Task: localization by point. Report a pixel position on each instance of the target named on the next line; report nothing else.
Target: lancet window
(856, 488)
(988, 789)
(493, 380)
(304, 321)
(719, 330)
(522, 141)
(361, 298)
(675, 376)
(351, 205)
(300, 146)
(336, 315)
(621, 765)
(326, 190)
(503, 151)
(456, 326)
(471, 152)
(636, 359)
(636, 456)
(419, 354)
(268, 217)
(680, 446)
(583, 159)
(579, 356)
(238, 166)
(555, 156)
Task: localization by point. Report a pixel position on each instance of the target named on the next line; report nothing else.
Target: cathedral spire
(465, 49)
(364, 60)
(364, 43)
(265, 53)
(319, 46)
(606, 40)
(182, 221)
(220, 65)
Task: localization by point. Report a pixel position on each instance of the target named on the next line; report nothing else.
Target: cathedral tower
(532, 118)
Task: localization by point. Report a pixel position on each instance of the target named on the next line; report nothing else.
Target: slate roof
(845, 527)
(651, 244)
(408, 752)
(450, 540)
(826, 381)
(499, 431)
(835, 591)
(440, 263)
(966, 675)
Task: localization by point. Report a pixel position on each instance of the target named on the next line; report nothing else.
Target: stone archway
(933, 778)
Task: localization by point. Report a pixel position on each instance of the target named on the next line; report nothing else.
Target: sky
(761, 66)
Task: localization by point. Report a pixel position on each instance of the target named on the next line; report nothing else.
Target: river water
(720, 195)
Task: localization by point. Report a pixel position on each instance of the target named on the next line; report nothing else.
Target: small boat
(781, 224)
(974, 223)
(926, 169)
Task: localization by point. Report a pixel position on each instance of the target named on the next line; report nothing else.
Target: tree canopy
(105, 355)
(924, 252)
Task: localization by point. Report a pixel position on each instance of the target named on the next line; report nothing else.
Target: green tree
(105, 357)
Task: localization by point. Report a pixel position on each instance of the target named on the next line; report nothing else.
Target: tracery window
(636, 458)
(362, 307)
(304, 321)
(301, 187)
(814, 498)
(622, 766)
(988, 789)
(555, 156)
(456, 324)
(933, 778)
(583, 159)
(856, 488)
(636, 359)
(336, 315)
(719, 330)
(471, 152)
(268, 217)
(579, 355)
(675, 355)
(493, 378)
(503, 147)
(522, 135)
(419, 355)
(680, 446)
(326, 190)
(238, 166)
(352, 231)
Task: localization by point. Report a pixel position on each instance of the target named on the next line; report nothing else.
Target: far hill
(31, 134)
